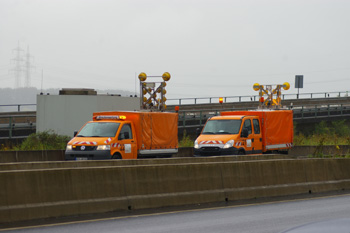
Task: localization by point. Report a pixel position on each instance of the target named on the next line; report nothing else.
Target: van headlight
(229, 144)
(103, 147)
(196, 144)
(69, 147)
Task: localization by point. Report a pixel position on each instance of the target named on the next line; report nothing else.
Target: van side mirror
(126, 135)
(244, 133)
(75, 133)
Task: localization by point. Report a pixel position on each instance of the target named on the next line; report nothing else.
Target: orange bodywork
(266, 130)
(149, 133)
(276, 126)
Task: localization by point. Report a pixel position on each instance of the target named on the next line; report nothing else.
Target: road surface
(273, 216)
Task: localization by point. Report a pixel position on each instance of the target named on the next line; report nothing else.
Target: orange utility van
(246, 132)
(125, 135)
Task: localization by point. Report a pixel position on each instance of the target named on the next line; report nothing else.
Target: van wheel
(116, 156)
(241, 152)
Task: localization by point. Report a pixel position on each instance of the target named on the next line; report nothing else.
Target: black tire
(116, 156)
(241, 152)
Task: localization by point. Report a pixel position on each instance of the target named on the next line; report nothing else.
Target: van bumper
(88, 155)
(215, 151)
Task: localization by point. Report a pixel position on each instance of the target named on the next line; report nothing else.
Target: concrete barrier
(58, 155)
(29, 156)
(103, 163)
(320, 150)
(45, 193)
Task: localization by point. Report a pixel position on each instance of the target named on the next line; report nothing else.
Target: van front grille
(85, 148)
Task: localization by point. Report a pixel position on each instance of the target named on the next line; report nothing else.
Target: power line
(22, 66)
(28, 67)
(18, 68)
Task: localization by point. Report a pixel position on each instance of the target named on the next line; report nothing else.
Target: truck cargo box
(154, 130)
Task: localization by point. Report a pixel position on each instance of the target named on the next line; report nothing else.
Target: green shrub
(336, 133)
(340, 128)
(47, 140)
(299, 140)
(322, 128)
(186, 141)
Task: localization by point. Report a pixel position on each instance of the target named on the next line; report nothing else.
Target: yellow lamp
(142, 76)
(286, 86)
(166, 76)
(256, 86)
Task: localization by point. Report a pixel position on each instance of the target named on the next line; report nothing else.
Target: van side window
(125, 132)
(256, 126)
(248, 125)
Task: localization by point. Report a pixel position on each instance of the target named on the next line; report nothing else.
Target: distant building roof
(77, 91)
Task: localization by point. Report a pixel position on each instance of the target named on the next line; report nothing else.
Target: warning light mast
(270, 102)
(153, 93)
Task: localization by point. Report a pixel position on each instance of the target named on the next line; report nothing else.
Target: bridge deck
(192, 116)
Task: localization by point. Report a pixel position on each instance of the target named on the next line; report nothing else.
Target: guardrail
(197, 118)
(230, 99)
(8, 124)
(17, 107)
(207, 100)
(189, 118)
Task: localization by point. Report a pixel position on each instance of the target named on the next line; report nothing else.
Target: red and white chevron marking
(115, 145)
(239, 144)
(211, 142)
(108, 140)
(277, 146)
(85, 143)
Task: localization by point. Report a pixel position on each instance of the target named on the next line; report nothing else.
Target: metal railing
(17, 107)
(11, 123)
(231, 99)
(187, 118)
(321, 111)
(204, 100)
(197, 118)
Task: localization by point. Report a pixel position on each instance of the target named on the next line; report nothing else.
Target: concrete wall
(31, 156)
(58, 155)
(65, 113)
(320, 150)
(131, 162)
(85, 190)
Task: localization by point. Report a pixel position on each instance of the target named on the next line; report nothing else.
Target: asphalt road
(274, 216)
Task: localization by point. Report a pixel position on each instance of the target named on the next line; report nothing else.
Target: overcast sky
(210, 47)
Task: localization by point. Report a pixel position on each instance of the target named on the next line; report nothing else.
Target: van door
(128, 142)
(257, 138)
(249, 140)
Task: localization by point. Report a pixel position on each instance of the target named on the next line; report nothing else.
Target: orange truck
(246, 132)
(125, 135)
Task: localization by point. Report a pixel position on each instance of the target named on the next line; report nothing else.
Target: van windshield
(99, 129)
(222, 127)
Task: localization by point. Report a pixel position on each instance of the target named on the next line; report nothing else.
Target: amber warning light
(111, 117)
(221, 100)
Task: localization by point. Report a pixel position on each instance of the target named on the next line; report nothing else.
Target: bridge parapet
(232, 99)
(254, 104)
(192, 116)
(190, 120)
